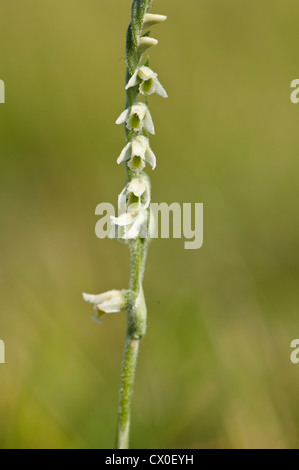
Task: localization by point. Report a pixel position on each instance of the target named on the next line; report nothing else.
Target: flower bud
(145, 43)
(151, 20)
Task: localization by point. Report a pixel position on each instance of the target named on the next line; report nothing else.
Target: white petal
(150, 158)
(133, 80)
(160, 90)
(148, 123)
(140, 109)
(139, 146)
(122, 199)
(151, 20)
(92, 299)
(137, 186)
(123, 220)
(147, 197)
(113, 302)
(123, 117)
(125, 154)
(107, 308)
(104, 297)
(133, 232)
(152, 225)
(145, 43)
(113, 306)
(134, 209)
(142, 140)
(145, 73)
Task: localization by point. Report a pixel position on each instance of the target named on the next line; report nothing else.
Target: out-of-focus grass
(214, 369)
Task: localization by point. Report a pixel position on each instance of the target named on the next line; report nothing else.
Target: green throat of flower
(133, 199)
(147, 86)
(135, 121)
(136, 162)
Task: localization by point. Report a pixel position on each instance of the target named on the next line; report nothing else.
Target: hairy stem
(135, 332)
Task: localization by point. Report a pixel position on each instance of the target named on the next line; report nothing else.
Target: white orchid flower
(138, 153)
(138, 187)
(148, 81)
(137, 117)
(132, 222)
(113, 301)
(135, 213)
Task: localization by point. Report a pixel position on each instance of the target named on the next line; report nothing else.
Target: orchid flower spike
(137, 117)
(137, 153)
(148, 81)
(113, 301)
(135, 222)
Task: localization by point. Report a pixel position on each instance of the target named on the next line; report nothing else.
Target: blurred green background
(214, 369)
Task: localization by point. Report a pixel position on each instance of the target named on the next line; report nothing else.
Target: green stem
(135, 332)
(137, 312)
(126, 390)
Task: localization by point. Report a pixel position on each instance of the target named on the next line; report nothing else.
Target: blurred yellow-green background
(214, 369)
